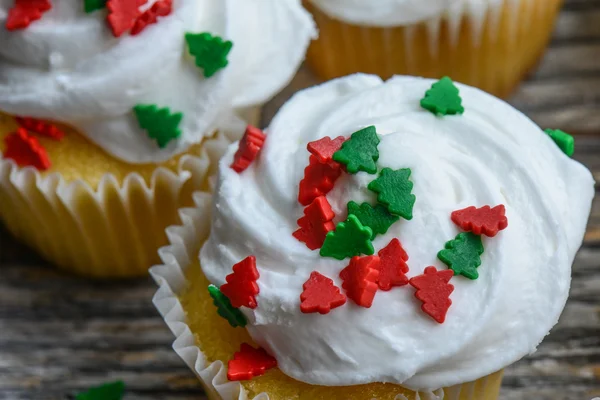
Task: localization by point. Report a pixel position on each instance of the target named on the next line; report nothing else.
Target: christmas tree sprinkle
(315, 224)
(24, 12)
(225, 309)
(161, 124)
(90, 6)
(377, 218)
(349, 239)
(320, 295)
(249, 363)
(392, 265)
(443, 98)
(434, 291)
(462, 255)
(108, 391)
(563, 140)
(241, 287)
(359, 153)
(481, 221)
(360, 279)
(394, 191)
(209, 51)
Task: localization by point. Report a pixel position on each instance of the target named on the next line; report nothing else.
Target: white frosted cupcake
(490, 44)
(419, 258)
(112, 113)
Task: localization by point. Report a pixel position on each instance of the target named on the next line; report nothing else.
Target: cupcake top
(146, 79)
(400, 231)
(399, 12)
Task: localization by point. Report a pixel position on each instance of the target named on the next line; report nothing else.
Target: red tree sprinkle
(40, 127)
(434, 291)
(320, 295)
(248, 149)
(248, 363)
(26, 151)
(360, 279)
(324, 148)
(315, 223)
(392, 266)
(318, 180)
(24, 12)
(485, 220)
(161, 8)
(122, 14)
(241, 287)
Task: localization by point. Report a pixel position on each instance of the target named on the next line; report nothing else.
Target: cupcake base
(96, 216)
(494, 51)
(205, 341)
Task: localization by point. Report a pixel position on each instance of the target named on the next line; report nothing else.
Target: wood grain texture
(60, 334)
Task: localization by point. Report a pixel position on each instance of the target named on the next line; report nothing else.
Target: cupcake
(406, 239)
(490, 44)
(112, 113)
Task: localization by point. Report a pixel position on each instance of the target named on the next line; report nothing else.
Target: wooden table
(60, 334)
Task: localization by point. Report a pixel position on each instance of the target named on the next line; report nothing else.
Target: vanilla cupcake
(112, 113)
(406, 239)
(490, 44)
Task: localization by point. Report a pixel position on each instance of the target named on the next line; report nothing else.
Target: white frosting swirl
(491, 155)
(68, 67)
(400, 12)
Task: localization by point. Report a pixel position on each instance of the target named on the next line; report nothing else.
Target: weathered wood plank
(578, 23)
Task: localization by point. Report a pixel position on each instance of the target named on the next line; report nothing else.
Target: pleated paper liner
(493, 50)
(205, 341)
(112, 225)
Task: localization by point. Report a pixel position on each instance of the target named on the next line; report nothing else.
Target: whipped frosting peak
(68, 67)
(490, 155)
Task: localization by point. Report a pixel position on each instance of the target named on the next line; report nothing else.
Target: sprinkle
(209, 51)
(248, 148)
(241, 287)
(25, 150)
(434, 291)
(563, 140)
(394, 191)
(392, 266)
(225, 309)
(318, 180)
(349, 239)
(443, 98)
(462, 255)
(324, 148)
(108, 391)
(93, 5)
(24, 12)
(315, 224)
(159, 123)
(377, 218)
(360, 279)
(359, 153)
(481, 221)
(320, 295)
(248, 363)
(161, 8)
(122, 14)
(40, 127)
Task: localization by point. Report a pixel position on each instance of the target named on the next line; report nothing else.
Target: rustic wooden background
(60, 334)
